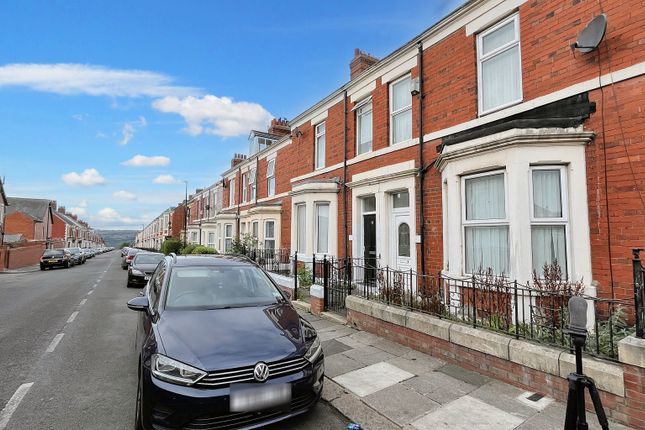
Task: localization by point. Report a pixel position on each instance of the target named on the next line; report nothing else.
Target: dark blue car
(220, 347)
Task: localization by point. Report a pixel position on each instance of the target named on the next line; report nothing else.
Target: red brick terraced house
(486, 141)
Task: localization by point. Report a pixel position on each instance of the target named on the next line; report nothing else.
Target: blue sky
(85, 88)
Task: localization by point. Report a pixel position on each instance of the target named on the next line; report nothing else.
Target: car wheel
(137, 412)
(42, 267)
(67, 264)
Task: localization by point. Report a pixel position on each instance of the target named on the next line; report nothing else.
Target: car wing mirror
(139, 304)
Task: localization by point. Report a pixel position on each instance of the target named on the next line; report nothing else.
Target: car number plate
(52, 261)
(255, 397)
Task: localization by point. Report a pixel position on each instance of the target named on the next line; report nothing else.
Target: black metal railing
(537, 311)
(639, 292)
(272, 260)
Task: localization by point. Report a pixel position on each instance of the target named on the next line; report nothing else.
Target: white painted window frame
(271, 177)
(361, 111)
(320, 164)
(495, 222)
(399, 111)
(245, 183)
(564, 219)
(482, 58)
(266, 237)
(228, 237)
(317, 205)
(231, 192)
(253, 174)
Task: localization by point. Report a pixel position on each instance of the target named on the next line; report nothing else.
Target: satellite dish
(592, 35)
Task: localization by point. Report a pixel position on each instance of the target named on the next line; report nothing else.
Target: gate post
(639, 292)
(325, 283)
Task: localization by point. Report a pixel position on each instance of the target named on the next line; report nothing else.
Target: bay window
(400, 110)
(548, 218)
(228, 237)
(486, 238)
(322, 228)
(269, 235)
(255, 230)
(301, 228)
(320, 146)
(499, 65)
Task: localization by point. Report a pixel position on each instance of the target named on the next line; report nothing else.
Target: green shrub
(188, 249)
(171, 245)
(305, 277)
(201, 249)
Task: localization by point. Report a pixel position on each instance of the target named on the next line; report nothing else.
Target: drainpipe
(345, 254)
(422, 170)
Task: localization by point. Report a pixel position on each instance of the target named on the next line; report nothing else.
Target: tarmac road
(66, 351)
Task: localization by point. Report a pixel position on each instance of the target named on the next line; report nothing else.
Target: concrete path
(383, 385)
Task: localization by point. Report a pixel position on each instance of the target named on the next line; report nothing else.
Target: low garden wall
(525, 364)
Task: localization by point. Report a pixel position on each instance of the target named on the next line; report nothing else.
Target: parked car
(76, 255)
(55, 258)
(86, 252)
(218, 344)
(141, 268)
(124, 251)
(127, 258)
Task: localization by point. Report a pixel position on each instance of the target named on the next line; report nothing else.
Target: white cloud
(80, 116)
(166, 179)
(87, 178)
(69, 79)
(100, 135)
(220, 116)
(110, 218)
(124, 195)
(81, 209)
(145, 161)
(129, 128)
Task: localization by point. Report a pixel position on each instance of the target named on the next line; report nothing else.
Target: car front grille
(245, 419)
(245, 374)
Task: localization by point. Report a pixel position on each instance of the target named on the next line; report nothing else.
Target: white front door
(402, 241)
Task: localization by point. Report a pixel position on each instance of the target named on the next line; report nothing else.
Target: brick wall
(20, 223)
(629, 409)
(26, 254)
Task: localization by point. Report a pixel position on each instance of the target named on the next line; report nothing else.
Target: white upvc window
(549, 218)
(255, 230)
(231, 192)
(400, 110)
(271, 177)
(253, 183)
(245, 184)
(320, 146)
(211, 240)
(322, 228)
(364, 127)
(193, 237)
(228, 237)
(499, 65)
(485, 223)
(301, 228)
(269, 235)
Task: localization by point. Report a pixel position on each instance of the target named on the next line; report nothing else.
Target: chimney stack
(237, 159)
(361, 62)
(61, 209)
(279, 126)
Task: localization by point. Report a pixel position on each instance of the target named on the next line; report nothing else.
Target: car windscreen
(216, 287)
(147, 259)
(53, 253)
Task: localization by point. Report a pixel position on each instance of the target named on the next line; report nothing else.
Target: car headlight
(314, 351)
(175, 372)
(137, 272)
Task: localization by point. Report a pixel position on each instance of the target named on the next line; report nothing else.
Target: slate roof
(35, 208)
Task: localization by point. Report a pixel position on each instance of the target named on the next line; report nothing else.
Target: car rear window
(147, 259)
(216, 287)
(53, 253)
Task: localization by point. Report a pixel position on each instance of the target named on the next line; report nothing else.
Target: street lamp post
(186, 214)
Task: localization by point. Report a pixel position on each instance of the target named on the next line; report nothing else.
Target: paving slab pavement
(383, 385)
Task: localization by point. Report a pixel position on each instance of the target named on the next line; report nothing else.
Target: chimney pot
(361, 62)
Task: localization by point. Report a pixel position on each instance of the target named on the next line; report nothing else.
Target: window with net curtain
(271, 177)
(269, 235)
(252, 178)
(485, 224)
(301, 219)
(320, 146)
(549, 219)
(322, 228)
(364, 127)
(499, 65)
(400, 110)
(228, 237)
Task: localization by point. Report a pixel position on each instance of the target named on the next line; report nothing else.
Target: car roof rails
(174, 257)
